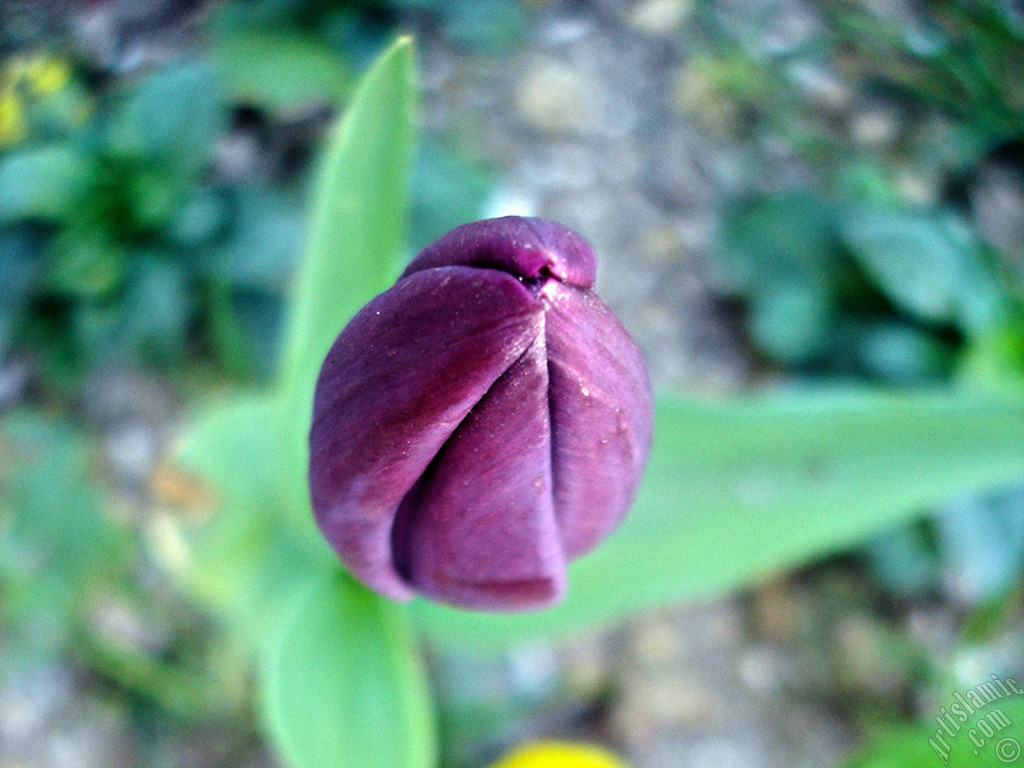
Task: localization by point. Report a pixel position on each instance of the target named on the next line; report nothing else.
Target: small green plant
(118, 241)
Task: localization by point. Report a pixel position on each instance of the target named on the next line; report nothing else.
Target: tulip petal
(600, 401)
(524, 247)
(480, 529)
(396, 384)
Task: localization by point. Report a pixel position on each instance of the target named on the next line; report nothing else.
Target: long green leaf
(737, 490)
(343, 686)
(355, 236)
(359, 216)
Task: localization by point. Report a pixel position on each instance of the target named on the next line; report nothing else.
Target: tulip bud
(481, 423)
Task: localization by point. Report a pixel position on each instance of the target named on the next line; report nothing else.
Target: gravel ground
(583, 126)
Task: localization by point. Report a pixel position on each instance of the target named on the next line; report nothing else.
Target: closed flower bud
(481, 423)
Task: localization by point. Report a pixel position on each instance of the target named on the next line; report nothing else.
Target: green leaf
(19, 266)
(735, 491)
(156, 307)
(773, 241)
(55, 539)
(898, 353)
(955, 744)
(995, 361)
(172, 118)
(280, 70)
(245, 557)
(791, 320)
(201, 218)
(930, 266)
(44, 184)
(344, 687)
(85, 261)
(356, 231)
(262, 249)
(494, 26)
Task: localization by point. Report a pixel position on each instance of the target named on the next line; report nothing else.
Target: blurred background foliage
(157, 214)
(882, 268)
(155, 174)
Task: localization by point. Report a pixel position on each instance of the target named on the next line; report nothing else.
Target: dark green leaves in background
(862, 291)
(44, 183)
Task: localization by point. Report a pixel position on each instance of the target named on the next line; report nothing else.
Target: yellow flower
(12, 119)
(559, 755)
(47, 74)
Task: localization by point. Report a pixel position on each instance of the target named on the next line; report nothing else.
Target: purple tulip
(481, 423)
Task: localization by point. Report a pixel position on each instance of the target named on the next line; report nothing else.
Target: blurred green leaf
(931, 266)
(246, 559)
(19, 265)
(898, 353)
(494, 26)
(356, 231)
(154, 195)
(362, 32)
(149, 319)
(45, 183)
(264, 245)
(156, 307)
(780, 253)
(917, 746)
(55, 539)
(343, 686)
(995, 361)
(280, 70)
(237, 16)
(776, 241)
(447, 190)
(85, 262)
(245, 329)
(171, 118)
(903, 561)
(200, 219)
(60, 113)
(226, 334)
(737, 490)
(248, 272)
(259, 316)
(791, 321)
